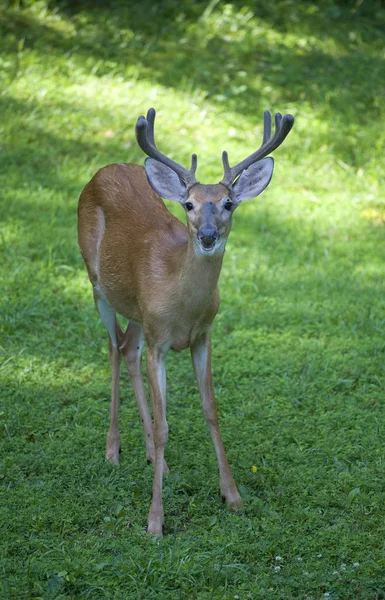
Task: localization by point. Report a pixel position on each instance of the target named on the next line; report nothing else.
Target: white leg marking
(107, 315)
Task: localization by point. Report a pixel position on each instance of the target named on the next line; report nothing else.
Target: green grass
(299, 344)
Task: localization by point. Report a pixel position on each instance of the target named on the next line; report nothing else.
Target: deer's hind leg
(108, 316)
(90, 233)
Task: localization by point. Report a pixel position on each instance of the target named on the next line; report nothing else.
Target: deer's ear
(253, 180)
(164, 181)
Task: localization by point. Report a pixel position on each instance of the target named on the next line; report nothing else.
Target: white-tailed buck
(162, 276)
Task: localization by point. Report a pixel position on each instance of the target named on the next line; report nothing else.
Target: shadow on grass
(39, 153)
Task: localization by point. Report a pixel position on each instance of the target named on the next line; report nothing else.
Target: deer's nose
(208, 235)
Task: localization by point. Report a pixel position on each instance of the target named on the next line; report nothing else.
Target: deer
(162, 276)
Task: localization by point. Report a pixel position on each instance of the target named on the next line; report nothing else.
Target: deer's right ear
(164, 181)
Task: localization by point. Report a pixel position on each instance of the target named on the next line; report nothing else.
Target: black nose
(208, 235)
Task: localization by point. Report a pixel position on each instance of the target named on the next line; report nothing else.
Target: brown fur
(141, 257)
(151, 269)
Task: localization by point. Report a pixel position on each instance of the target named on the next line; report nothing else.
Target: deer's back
(123, 226)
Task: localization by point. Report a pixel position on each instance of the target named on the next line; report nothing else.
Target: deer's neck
(199, 273)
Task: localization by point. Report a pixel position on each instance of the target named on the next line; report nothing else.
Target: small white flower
(327, 595)
(356, 564)
(335, 573)
(278, 558)
(277, 568)
(343, 567)
(300, 559)
(320, 556)
(236, 597)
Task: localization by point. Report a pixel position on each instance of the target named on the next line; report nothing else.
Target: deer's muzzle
(207, 236)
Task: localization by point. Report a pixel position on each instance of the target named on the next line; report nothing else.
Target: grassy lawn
(298, 345)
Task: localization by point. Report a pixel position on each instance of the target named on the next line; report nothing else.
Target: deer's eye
(189, 206)
(228, 205)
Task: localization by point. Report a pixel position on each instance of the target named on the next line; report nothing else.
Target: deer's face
(209, 209)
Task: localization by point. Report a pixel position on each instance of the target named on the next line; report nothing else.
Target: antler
(282, 127)
(144, 131)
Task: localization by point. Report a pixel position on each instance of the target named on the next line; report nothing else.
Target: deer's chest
(178, 325)
(184, 337)
(190, 324)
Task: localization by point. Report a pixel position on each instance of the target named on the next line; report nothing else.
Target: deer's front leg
(156, 371)
(201, 357)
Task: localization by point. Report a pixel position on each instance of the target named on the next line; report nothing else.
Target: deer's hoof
(232, 499)
(155, 523)
(112, 454)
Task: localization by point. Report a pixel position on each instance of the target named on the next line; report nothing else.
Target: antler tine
(266, 126)
(151, 121)
(283, 126)
(194, 163)
(227, 177)
(278, 121)
(144, 132)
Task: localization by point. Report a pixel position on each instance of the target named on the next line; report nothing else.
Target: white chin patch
(216, 249)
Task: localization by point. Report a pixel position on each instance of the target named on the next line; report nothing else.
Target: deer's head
(209, 208)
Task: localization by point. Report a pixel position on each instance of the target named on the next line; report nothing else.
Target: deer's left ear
(253, 180)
